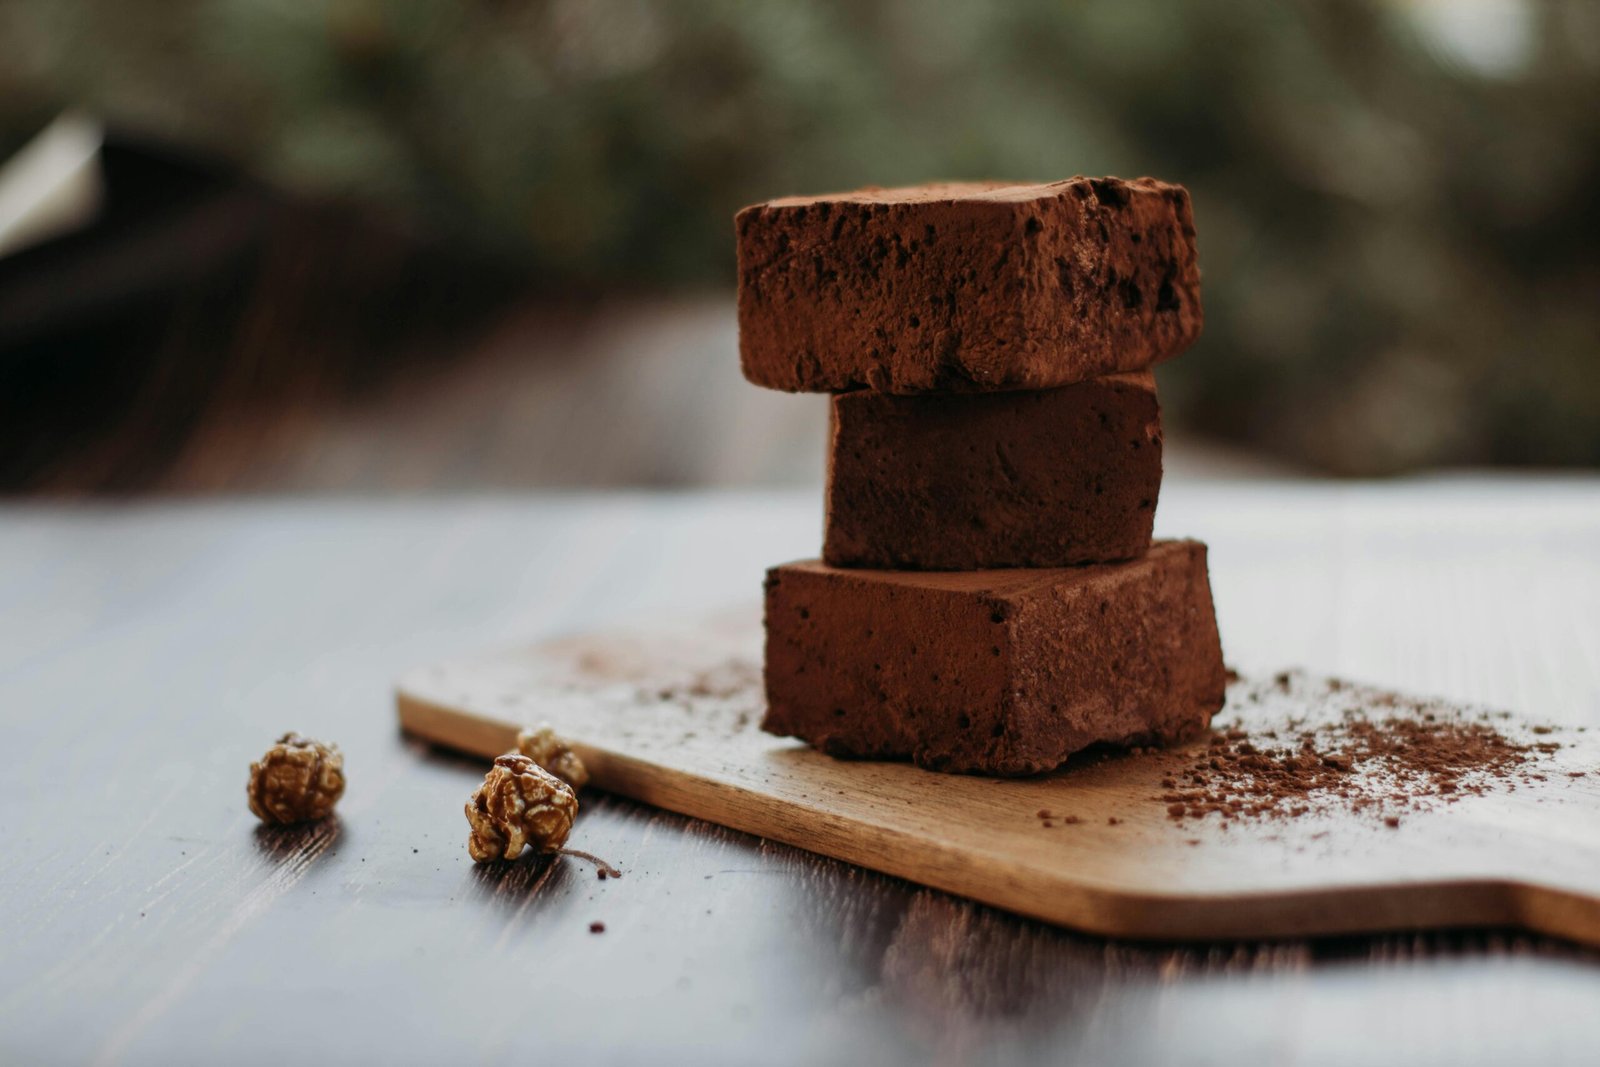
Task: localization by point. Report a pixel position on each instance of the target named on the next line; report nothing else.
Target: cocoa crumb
(597, 928)
(1363, 751)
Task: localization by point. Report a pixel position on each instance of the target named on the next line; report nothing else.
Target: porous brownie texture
(1036, 479)
(966, 287)
(1003, 672)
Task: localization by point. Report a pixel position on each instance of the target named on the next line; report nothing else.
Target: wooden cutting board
(671, 717)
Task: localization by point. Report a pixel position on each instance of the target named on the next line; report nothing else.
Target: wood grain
(149, 652)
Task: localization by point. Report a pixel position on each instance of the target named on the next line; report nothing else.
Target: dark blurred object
(197, 299)
(1394, 197)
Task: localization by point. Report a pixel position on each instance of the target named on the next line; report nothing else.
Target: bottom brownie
(1005, 672)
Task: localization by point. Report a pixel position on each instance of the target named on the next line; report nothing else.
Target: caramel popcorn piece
(298, 780)
(519, 805)
(553, 755)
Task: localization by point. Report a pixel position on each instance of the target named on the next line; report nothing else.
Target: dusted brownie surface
(1005, 672)
(966, 287)
(1034, 479)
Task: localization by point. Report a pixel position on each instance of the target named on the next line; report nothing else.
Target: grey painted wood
(148, 652)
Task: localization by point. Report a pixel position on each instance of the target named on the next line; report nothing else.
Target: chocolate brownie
(967, 287)
(1005, 672)
(1035, 479)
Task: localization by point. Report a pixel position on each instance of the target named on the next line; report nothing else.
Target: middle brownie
(1028, 479)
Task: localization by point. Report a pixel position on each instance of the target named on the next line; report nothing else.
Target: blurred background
(401, 244)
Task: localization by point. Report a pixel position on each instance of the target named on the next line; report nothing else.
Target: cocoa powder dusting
(1368, 751)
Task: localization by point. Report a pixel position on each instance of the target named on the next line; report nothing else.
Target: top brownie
(966, 287)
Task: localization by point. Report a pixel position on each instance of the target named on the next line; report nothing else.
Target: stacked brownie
(989, 598)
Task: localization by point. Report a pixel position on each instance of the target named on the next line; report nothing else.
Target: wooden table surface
(149, 652)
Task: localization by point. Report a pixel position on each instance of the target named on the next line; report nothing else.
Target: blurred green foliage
(1397, 201)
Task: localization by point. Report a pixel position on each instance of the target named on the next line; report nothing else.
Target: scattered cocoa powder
(1349, 748)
